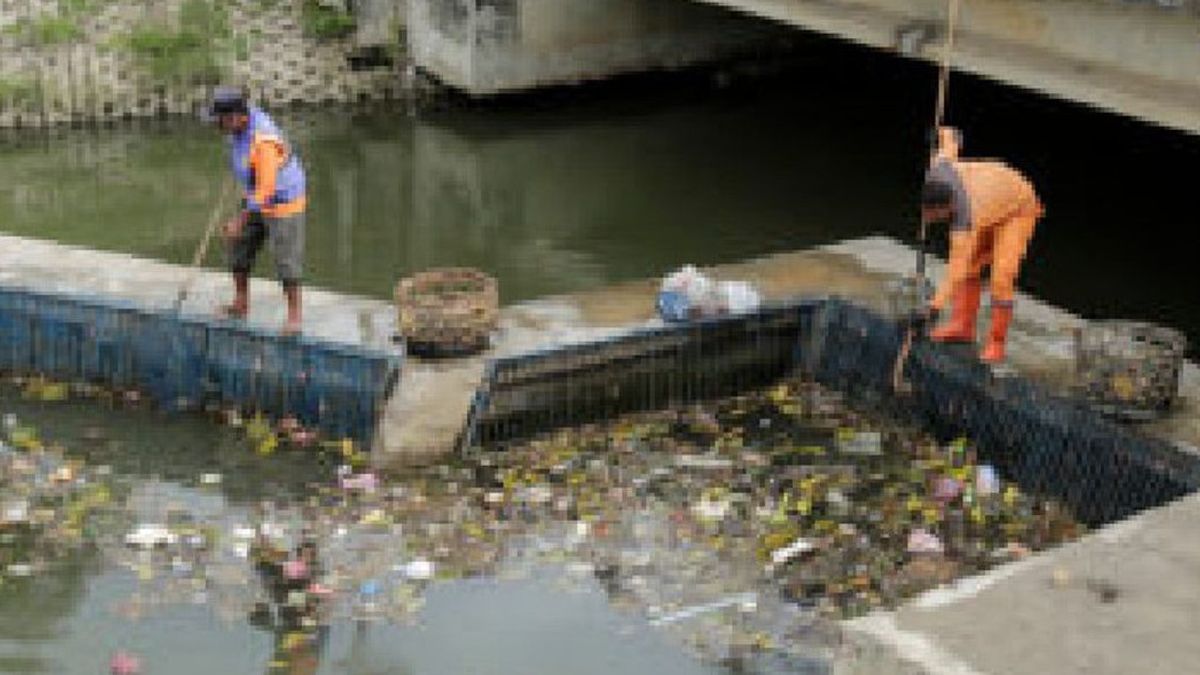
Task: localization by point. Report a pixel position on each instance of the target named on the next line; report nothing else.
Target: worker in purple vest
(273, 202)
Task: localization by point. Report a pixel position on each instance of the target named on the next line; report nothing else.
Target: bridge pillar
(485, 47)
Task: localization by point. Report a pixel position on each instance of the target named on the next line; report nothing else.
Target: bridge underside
(1140, 60)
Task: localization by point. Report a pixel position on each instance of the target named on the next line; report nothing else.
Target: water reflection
(27, 638)
(546, 202)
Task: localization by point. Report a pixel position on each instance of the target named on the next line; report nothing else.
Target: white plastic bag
(687, 294)
(738, 297)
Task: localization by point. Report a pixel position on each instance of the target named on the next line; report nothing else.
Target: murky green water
(548, 200)
(74, 615)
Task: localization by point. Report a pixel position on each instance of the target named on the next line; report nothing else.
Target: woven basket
(447, 312)
(1128, 369)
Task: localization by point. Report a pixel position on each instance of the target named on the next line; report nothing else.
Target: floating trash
(922, 541)
(50, 505)
(366, 482)
(851, 442)
(419, 570)
(725, 525)
(711, 510)
(739, 600)
(19, 570)
(15, 512)
(124, 663)
(986, 481)
(150, 536)
(800, 546)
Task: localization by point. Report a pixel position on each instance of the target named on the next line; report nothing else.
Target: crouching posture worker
(273, 202)
(991, 211)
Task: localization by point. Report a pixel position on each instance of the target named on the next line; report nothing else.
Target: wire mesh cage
(1128, 369)
(448, 311)
(644, 370)
(1049, 444)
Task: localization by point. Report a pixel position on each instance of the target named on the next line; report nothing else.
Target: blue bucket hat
(226, 101)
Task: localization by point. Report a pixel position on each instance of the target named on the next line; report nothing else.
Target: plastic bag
(738, 297)
(688, 294)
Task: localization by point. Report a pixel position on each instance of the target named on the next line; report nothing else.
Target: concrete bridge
(1136, 57)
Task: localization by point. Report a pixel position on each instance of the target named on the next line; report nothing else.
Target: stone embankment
(84, 61)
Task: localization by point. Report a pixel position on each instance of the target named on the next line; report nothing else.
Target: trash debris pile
(789, 488)
(51, 506)
(744, 528)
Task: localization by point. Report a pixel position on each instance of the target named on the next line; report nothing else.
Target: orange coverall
(1002, 210)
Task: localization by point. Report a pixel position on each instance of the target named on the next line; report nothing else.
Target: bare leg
(241, 297)
(291, 291)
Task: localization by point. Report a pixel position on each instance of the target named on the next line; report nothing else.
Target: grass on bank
(326, 23)
(188, 53)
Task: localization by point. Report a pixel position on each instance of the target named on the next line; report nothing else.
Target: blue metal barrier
(186, 362)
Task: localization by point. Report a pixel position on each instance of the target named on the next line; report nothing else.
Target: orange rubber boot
(964, 307)
(993, 350)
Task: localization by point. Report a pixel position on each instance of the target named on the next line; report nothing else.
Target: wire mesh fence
(645, 370)
(1048, 443)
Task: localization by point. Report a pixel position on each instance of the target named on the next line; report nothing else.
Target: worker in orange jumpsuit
(991, 211)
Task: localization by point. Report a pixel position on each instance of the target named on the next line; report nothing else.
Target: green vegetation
(18, 91)
(326, 23)
(188, 53)
(45, 30)
(241, 48)
(77, 6)
(53, 30)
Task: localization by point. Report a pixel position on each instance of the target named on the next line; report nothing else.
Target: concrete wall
(1137, 57)
(379, 21)
(490, 46)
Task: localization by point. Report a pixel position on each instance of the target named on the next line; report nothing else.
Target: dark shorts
(285, 236)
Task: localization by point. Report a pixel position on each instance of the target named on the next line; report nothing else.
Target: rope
(202, 250)
(944, 74)
(898, 383)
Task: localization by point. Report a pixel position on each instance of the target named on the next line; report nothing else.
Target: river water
(554, 194)
(71, 618)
